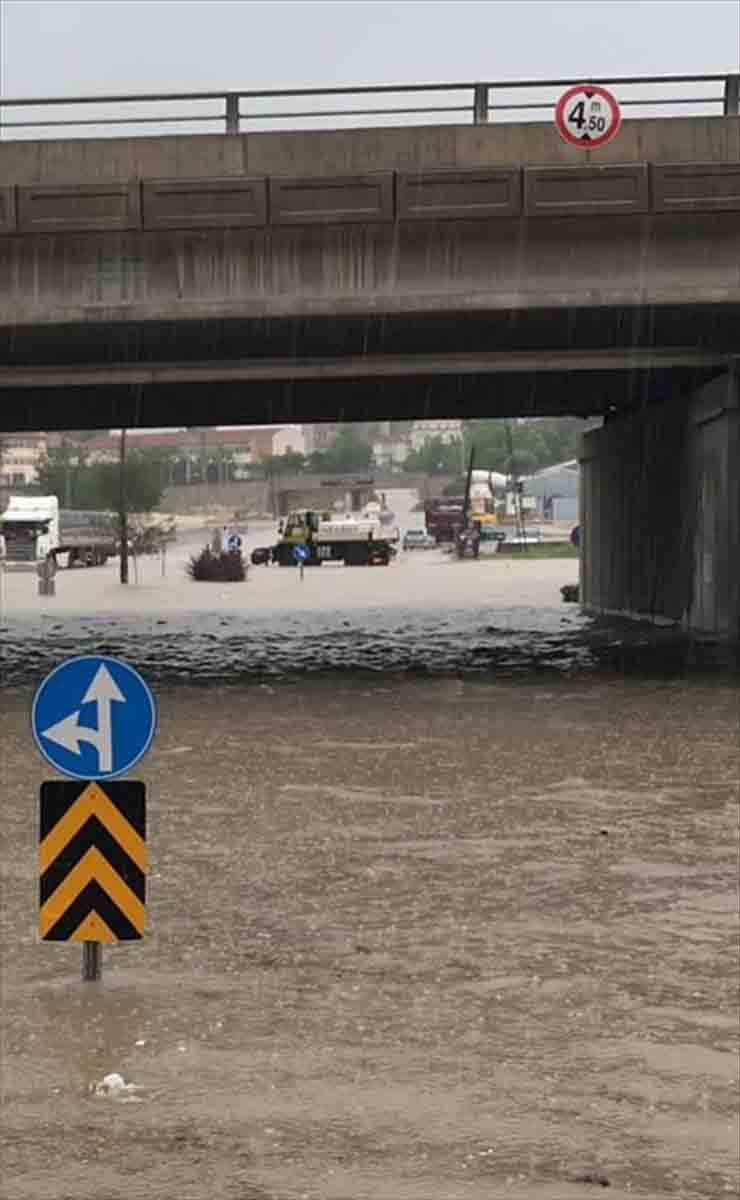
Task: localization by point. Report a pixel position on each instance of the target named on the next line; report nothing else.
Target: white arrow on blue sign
(93, 717)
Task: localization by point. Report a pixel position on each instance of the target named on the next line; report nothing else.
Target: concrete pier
(660, 509)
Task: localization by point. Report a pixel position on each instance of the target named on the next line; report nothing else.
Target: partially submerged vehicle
(356, 541)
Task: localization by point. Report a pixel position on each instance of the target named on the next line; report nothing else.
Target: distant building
(19, 458)
(390, 451)
(289, 439)
(447, 431)
(556, 490)
(320, 437)
(213, 455)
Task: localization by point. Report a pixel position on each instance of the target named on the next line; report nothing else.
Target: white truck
(357, 542)
(33, 528)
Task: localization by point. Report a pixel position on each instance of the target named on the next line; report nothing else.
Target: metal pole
(732, 96)
(480, 103)
(232, 112)
(122, 510)
(92, 961)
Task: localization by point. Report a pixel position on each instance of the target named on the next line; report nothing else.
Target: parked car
(418, 539)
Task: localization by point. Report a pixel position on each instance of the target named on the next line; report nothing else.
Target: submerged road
(443, 897)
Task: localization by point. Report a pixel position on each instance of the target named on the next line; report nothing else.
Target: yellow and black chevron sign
(92, 860)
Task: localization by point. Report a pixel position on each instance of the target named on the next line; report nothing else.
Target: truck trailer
(34, 528)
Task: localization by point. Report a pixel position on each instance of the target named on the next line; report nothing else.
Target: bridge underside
(360, 366)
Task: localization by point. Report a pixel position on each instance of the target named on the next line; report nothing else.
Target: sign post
(300, 554)
(46, 570)
(92, 843)
(588, 116)
(92, 962)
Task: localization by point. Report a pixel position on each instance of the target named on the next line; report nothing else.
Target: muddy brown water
(449, 931)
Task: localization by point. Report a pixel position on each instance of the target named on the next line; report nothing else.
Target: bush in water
(226, 567)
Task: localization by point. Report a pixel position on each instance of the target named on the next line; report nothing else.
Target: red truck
(445, 517)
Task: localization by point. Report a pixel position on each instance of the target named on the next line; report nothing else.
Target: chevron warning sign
(92, 861)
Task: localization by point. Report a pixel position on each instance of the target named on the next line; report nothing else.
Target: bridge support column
(660, 513)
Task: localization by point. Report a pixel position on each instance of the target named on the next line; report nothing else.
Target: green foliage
(349, 453)
(68, 473)
(436, 458)
(456, 488)
(538, 550)
(283, 464)
(536, 444)
(225, 567)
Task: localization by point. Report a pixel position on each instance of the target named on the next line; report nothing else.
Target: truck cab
(29, 528)
(300, 528)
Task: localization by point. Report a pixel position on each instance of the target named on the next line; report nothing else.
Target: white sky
(65, 47)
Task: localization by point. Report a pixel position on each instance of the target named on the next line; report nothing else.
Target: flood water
(443, 897)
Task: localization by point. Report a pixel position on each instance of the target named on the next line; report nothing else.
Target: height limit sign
(587, 116)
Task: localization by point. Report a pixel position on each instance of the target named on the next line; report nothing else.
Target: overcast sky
(74, 46)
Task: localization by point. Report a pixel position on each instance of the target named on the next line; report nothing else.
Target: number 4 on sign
(588, 116)
(576, 115)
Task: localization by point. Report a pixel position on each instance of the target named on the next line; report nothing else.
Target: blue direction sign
(93, 717)
(301, 554)
(233, 542)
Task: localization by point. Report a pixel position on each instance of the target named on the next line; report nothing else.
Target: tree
(283, 464)
(349, 453)
(66, 472)
(536, 444)
(436, 457)
(456, 487)
(144, 482)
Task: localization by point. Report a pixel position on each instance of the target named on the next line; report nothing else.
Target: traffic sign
(301, 553)
(93, 717)
(587, 116)
(92, 862)
(233, 542)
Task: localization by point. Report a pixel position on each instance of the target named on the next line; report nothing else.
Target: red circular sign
(587, 116)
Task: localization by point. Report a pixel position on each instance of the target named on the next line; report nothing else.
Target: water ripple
(213, 647)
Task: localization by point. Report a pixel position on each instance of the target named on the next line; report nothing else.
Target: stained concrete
(660, 509)
(337, 152)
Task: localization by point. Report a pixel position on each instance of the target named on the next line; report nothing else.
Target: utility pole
(122, 507)
(516, 485)
(67, 478)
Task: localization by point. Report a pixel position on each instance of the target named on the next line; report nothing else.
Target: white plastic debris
(114, 1087)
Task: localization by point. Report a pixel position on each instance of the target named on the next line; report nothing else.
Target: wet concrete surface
(443, 903)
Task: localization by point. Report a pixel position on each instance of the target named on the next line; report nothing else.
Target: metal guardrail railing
(239, 110)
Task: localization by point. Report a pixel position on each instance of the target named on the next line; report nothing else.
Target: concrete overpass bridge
(384, 273)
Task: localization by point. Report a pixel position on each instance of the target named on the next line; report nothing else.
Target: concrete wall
(660, 513)
(302, 491)
(341, 152)
(714, 467)
(425, 267)
(249, 496)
